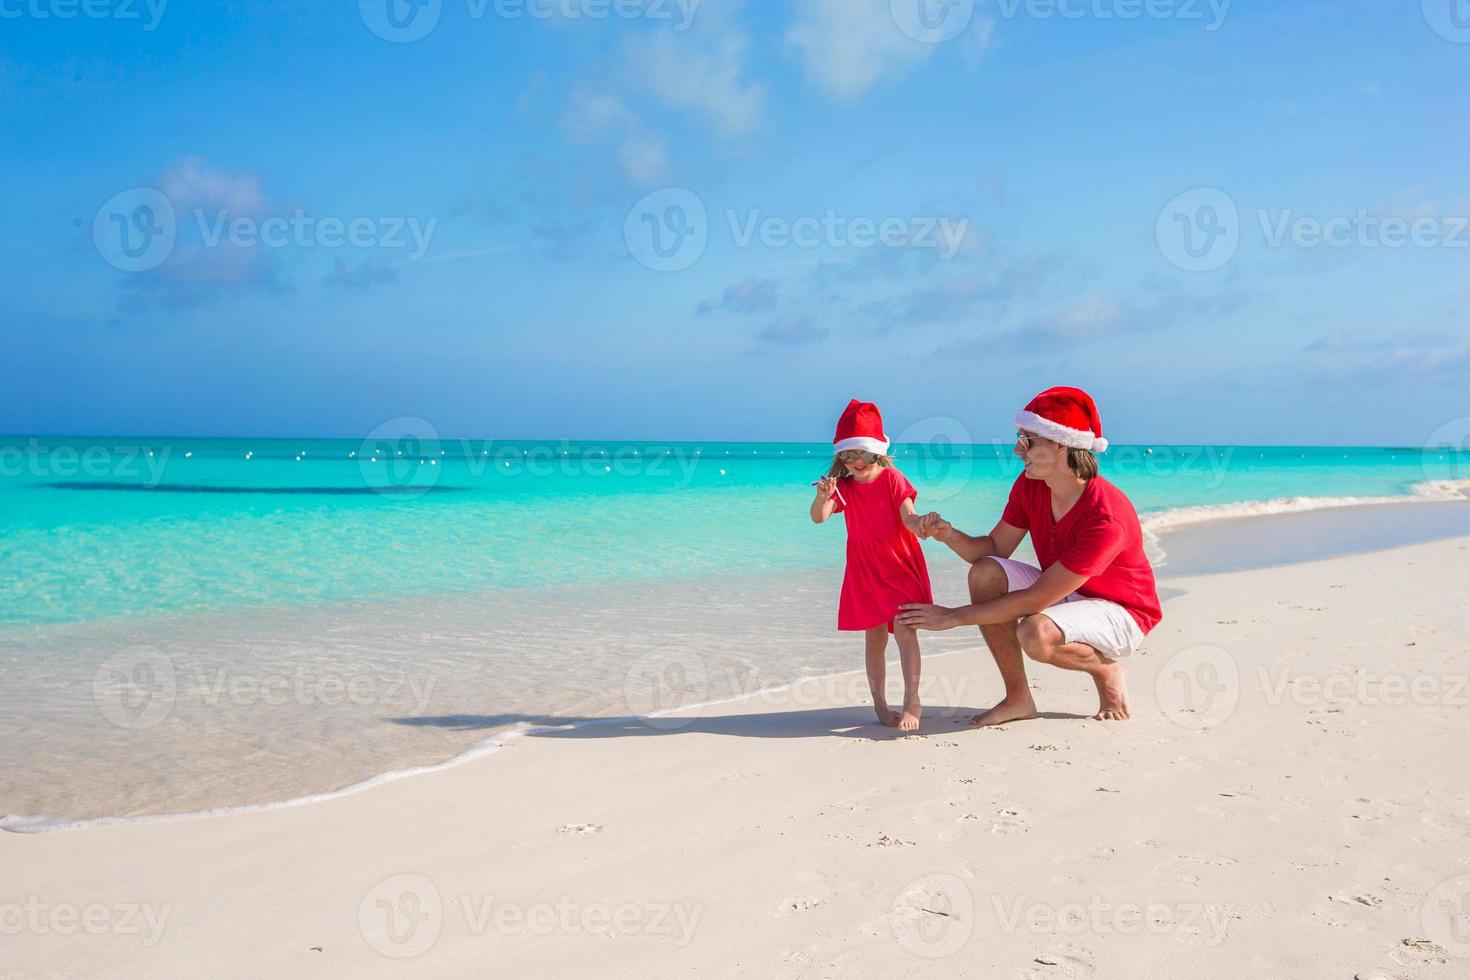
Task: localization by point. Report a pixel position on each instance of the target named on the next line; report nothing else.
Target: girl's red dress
(885, 565)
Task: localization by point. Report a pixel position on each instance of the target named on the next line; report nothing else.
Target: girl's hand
(827, 487)
(931, 524)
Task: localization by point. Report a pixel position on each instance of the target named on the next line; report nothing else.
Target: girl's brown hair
(839, 468)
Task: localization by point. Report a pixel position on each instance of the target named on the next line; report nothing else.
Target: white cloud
(597, 116)
(702, 70)
(644, 158)
(847, 46)
(191, 183)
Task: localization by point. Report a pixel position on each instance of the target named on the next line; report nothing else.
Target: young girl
(885, 566)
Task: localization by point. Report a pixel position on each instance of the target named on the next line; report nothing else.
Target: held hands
(931, 525)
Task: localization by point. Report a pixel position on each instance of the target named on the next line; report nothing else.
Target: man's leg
(988, 581)
(1043, 642)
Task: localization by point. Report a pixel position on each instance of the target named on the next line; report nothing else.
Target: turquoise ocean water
(191, 624)
(98, 528)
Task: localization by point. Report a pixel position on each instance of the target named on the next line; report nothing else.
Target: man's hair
(1082, 463)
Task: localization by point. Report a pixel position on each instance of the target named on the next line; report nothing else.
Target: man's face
(1043, 457)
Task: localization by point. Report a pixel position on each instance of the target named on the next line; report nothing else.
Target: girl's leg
(876, 642)
(908, 654)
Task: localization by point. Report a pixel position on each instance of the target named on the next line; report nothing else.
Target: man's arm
(1001, 542)
(1055, 584)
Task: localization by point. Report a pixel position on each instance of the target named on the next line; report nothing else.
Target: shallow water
(196, 628)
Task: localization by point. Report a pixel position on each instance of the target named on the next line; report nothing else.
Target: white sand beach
(1288, 801)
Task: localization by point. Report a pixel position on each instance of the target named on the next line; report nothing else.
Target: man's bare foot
(1112, 693)
(1011, 709)
(912, 713)
(886, 715)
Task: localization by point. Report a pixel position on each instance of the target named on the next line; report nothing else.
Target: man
(1093, 599)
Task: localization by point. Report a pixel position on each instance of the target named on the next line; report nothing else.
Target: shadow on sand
(853, 722)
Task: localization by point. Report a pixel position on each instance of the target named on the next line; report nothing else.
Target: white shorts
(1105, 626)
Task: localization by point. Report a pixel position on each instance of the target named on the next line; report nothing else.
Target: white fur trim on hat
(866, 444)
(1056, 432)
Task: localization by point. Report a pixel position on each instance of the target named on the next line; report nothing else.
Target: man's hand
(937, 528)
(923, 617)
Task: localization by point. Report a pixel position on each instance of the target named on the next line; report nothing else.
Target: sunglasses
(1026, 440)
(853, 455)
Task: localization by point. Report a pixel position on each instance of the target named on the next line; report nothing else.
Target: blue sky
(536, 147)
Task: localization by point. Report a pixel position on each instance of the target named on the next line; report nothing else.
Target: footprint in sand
(1070, 961)
(1364, 900)
(795, 965)
(580, 829)
(812, 892)
(727, 778)
(1011, 820)
(860, 802)
(1418, 951)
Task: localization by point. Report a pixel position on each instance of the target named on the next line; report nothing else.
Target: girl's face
(856, 461)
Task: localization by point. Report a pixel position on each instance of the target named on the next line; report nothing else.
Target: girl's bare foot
(913, 711)
(1011, 709)
(886, 715)
(1112, 693)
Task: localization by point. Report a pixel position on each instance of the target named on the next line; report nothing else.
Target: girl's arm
(911, 518)
(825, 503)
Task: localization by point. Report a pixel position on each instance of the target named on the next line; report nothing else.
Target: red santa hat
(1067, 416)
(861, 427)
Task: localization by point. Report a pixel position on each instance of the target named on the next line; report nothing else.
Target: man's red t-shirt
(1099, 537)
